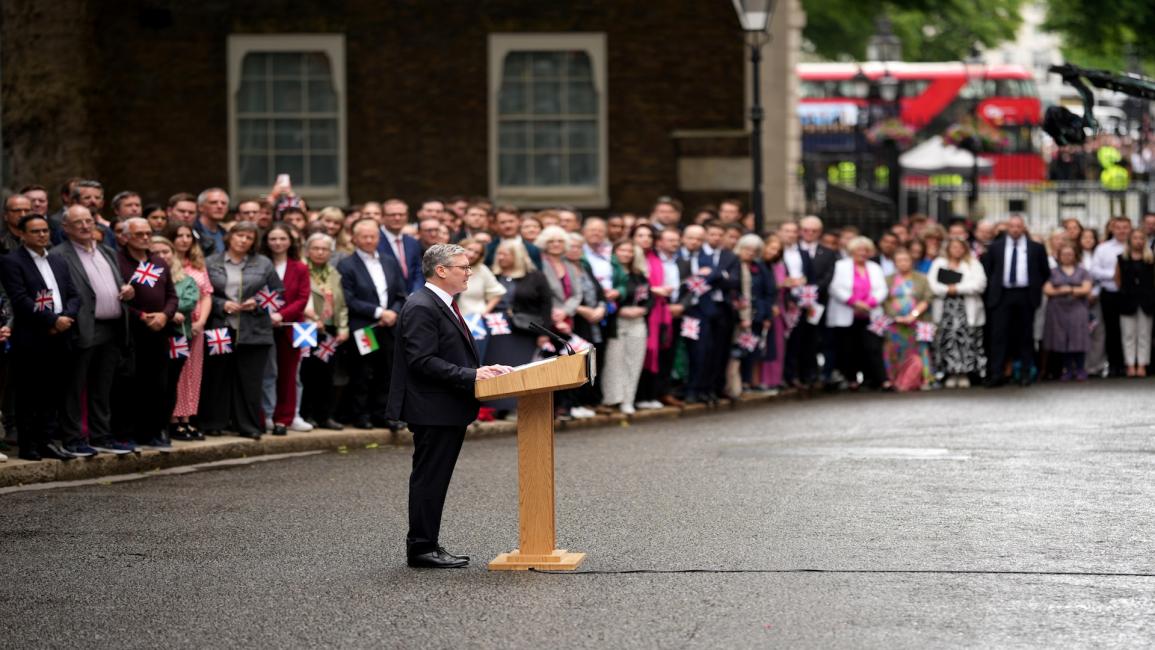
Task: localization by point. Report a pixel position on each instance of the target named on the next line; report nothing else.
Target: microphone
(553, 336)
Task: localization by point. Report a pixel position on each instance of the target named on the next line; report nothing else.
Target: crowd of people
(197, 318)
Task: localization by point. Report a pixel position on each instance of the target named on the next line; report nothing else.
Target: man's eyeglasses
(457, 266)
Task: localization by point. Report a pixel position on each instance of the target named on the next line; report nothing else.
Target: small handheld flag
(178, 347)
(146, 273)
(691, 328)
(304, 335)
(43, 301)
(219, 341)
(366, 340)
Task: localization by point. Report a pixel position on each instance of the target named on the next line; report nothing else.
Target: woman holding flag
(188, 390)
(333, 320)
(239, 335)
(280, 246)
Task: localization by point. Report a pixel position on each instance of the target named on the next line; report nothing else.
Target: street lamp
(755, 17)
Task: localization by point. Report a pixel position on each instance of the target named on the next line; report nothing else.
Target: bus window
(913, 87)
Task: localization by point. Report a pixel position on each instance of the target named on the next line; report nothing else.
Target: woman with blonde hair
(188, 295)
(957, 281)
(483, 292)
(626, 330)
(527, 299)
(334, 220)
(191, 258)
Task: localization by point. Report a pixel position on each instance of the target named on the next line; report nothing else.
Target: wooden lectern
(533, 384)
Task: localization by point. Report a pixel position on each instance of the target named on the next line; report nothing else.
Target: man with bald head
(140, 398)
(16, 207)
(101, 335)
(808, 263)
(1016, 269)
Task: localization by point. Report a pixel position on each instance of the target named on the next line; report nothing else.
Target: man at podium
(434, 370)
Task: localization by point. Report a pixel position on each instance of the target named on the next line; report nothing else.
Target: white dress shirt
(441, 293)
(670, 276)
(377, 273)
(600, 264)
(1104, 261)
(41, 261)
(1021, 279)
(792, 257)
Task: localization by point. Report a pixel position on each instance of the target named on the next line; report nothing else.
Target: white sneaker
(582, 412)
(951, 382)
(964, 382)
(299, 424)
(3, 458)
(650, 404)
(628, 409)
(269, 423)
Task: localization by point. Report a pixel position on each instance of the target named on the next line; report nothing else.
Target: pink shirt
(861, 290)
(103, 282)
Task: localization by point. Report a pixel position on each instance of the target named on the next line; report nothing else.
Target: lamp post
(755, 17)
(863, 87)
(889, 89)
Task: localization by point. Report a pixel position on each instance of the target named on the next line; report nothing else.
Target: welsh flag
(366, 340)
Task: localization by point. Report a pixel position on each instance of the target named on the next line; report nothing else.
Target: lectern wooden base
(559, 560)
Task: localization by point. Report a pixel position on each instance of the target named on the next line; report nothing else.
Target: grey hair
(750, 240)
(85, 183)
(320, 236)
(439, 255)
(205, 194)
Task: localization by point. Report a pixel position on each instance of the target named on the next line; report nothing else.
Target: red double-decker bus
(931, 97)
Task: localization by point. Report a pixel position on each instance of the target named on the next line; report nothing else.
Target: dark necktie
(807, 263)
(460, 318)
(1014, 272)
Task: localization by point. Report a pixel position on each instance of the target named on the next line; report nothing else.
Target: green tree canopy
(1099, 34)
(939, 30)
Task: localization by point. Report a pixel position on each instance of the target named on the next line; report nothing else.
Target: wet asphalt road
(977, 518)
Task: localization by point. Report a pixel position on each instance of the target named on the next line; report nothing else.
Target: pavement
(15, 472)
(1008, 518)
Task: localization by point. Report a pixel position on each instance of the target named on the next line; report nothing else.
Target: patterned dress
(902, 344)
(958, 347)
(188, 388)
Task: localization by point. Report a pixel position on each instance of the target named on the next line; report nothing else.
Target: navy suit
(708, 355)
(432, 390)
(1011, 311)
(415, 279)
(39, 357)
(368, 389)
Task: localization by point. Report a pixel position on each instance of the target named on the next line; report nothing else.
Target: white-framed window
(548, 129)
(287, 115)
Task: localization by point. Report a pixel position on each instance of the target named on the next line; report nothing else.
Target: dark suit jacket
(22, 281)
(822, 270)
(1038, 271)
(416, 279)
(534, 253)
(361, 293)
(85, 321)
(434, 366)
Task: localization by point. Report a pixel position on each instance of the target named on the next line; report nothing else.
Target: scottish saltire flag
(146, 273)
(476, 326)
(924, 332)
(177, 347)
(498, 324)
(219, 341)
(304, 335)
(691, 328)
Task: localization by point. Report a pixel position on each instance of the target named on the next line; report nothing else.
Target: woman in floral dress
(906, 350)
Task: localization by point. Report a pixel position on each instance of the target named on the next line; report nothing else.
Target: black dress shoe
(280, 430)
(30, 455)
(331, 424)
(436, 560)
(363, 424)
(459, 557)
(250, 436)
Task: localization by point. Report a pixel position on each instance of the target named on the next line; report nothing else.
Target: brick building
(599, 104)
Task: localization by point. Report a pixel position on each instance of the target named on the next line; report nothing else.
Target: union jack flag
(924, 332)
(498, 325)
(268, 299)
(808, 295)
(879, 325)
(698, 286)
(219, 341)
(791, 317)
(641, 295)
(748, 341)
(326, 349)
(43, 301)
(146, 273)
(691, 328)
(578, 343)
(178, 347)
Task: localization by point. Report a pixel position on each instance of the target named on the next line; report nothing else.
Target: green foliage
(942, 30)
(1099, 34)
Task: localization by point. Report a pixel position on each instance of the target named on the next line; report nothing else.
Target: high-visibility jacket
(1115, 178)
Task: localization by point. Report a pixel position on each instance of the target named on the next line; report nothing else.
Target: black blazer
(22, 281)
(822, 270)
(1038, 271)
(434, 366)
(86, 317)
(533, 299)
(361, 293)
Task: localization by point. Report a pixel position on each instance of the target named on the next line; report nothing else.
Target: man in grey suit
(101, 335)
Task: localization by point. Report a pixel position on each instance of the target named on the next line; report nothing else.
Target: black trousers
(656, 385)
(35, 371)
(317, 385)
(722, 338)
(368, 390)
(140, 394)
(91, 380)
(231, 390)
(435, 452)
(859, 350)
(801, 360)
(1012, 324)
(1112, 332)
